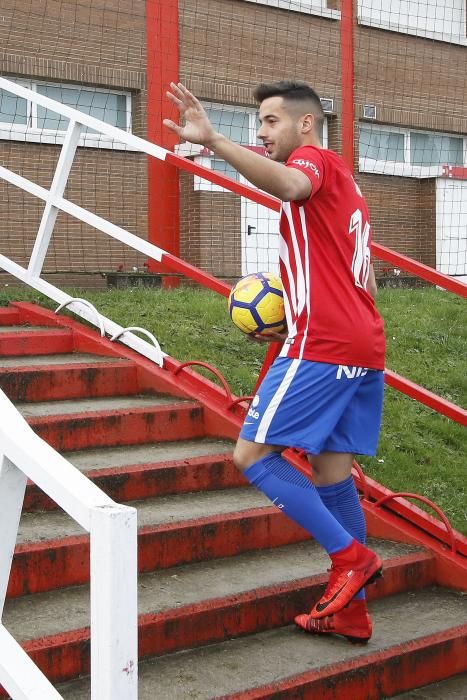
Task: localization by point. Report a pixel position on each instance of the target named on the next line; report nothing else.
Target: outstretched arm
(285, 183)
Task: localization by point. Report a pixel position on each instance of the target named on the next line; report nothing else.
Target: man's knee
(330, 467)
(247, 453)
(244, 454)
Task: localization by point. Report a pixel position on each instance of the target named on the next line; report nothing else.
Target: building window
(25, 120)
(435, 149)
(444, 20)
(408, 153)
(382, 145)
(240, 124)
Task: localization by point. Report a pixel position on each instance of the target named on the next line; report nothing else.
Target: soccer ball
(256, 304)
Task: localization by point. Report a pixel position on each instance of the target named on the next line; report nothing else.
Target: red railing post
(163, 180)
(347, 82)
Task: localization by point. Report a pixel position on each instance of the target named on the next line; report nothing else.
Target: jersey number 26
(362, 254)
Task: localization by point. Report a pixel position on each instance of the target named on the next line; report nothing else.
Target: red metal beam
(427, 273)
(380, 251)
(347, 82)
(454, 172)
(422, 395)
(227, 182)
(162, 42)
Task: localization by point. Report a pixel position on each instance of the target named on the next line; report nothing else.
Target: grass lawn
(426, 330)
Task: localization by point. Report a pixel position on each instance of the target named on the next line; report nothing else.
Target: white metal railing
(113, 564)
(55, 202)
(23, 455)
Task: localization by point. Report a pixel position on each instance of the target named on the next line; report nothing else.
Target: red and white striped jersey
(325, 257)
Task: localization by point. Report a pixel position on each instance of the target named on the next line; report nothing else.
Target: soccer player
(324, 392)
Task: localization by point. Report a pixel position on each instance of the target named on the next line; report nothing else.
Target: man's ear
(308, 123)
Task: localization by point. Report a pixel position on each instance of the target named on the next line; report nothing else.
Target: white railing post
(113, 535)
(57, 189)
(114, 608)
(12, 487)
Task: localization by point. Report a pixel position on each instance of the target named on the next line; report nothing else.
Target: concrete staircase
(222, 573)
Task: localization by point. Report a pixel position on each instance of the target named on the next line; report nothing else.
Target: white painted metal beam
(65, 484)
(114, 609)
(19, 675)
(57, 189)
(111, 328)
(12, 488)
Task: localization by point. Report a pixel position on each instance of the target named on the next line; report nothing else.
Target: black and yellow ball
(256, 304)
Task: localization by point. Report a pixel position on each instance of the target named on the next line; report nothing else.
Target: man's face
(280, 129)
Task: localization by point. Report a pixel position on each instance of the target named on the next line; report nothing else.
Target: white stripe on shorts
(275, 401)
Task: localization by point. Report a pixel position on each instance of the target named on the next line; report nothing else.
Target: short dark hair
(291, 91)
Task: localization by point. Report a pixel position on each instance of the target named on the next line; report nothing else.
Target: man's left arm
(288, 184)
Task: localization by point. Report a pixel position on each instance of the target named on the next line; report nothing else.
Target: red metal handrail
(362, 477)
(423, 499)
(266, 200)
(239, 400)
(422, 395)
(206, 365)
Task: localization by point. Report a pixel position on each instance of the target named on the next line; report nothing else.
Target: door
(451, 227)
(260, 237)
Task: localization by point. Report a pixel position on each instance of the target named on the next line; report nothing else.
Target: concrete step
(87, 423)
(26, 328)
(9, 315)
(73, 358)
(69, 407)
(55, 377)
(416, 634)
(454, 688)
(53, 552)
(158, 469)
(200, 603)
(34, 340)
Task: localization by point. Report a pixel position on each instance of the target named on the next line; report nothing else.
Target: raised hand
(198, 128)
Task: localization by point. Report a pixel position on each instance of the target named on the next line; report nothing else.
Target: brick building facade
(412, 76)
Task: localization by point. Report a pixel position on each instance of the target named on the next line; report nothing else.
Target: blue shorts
(317, 407)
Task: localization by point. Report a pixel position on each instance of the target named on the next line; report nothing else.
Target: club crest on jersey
(252, 413)
(350, 372)
(306, 164)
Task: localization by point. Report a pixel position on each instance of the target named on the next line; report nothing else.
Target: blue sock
(295, 495)
(342, 501)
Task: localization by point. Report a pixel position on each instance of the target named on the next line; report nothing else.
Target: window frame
(405, 169)
(31, 133)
